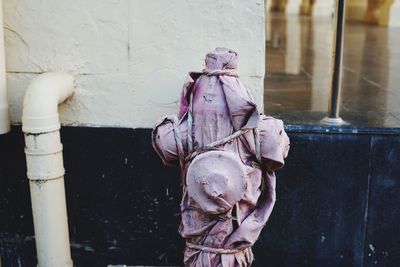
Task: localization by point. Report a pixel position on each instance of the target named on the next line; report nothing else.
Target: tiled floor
(298, 59)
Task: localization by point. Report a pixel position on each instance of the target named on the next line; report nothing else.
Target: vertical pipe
(45, 166)
(338, 61)
(4, 116)
(46, 182)
(336, 83)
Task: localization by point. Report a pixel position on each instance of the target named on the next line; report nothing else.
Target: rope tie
(214, 250)
(226, 72)
(190, 125)
(213, 145)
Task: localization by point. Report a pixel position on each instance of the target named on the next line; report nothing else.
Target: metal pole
(333, 117)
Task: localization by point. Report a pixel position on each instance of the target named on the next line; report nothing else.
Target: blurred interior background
(299, 41)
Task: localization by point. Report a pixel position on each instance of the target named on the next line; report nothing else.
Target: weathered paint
(129, 57)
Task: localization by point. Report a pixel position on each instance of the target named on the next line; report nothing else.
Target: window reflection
(299, 54)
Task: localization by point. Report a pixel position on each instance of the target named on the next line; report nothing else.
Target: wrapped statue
(227, 152)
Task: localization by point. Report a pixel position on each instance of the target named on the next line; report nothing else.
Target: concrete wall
(129, 57)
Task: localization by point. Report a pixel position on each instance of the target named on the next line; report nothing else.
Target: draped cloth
(221, 105)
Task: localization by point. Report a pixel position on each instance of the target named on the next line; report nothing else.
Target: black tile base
(319, 216)
(123, 204)
(382, 244)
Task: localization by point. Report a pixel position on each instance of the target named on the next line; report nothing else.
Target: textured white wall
(129, 57)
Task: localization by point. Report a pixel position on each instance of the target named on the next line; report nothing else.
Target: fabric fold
(219, 106)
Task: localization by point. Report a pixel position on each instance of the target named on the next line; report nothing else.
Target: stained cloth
(222, 105)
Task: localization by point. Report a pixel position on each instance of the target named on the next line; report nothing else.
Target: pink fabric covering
(222, 105)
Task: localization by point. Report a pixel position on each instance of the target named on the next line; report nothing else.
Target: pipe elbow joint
(44, 94)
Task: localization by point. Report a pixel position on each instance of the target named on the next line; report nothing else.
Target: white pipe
(45, 166)
(4, 117)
